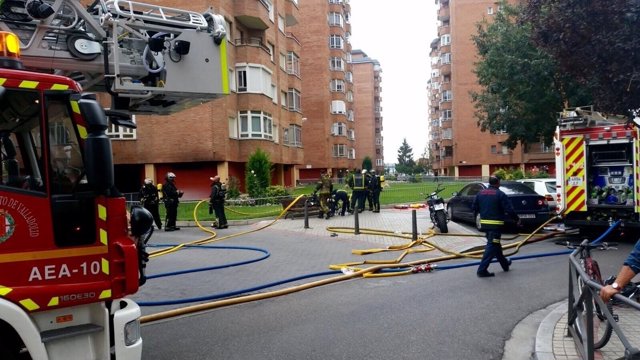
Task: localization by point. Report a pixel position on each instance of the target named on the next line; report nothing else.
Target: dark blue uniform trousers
(493, 249)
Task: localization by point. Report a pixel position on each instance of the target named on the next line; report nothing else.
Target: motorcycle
(437, 212)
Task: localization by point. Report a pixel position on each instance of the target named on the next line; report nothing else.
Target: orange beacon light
(10, 50)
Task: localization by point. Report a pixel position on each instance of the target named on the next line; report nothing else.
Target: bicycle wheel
(602, 329)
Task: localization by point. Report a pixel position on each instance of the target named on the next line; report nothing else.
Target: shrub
(233, 188)
(258, 173)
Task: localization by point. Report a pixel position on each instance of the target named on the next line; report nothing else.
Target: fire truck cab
(67, 260)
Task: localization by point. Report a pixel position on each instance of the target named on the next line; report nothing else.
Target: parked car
(532, 208)
(544, 187)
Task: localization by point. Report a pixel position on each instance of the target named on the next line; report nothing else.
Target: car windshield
(516, 189)
(551, 186)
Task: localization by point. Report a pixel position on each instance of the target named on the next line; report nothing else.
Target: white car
(544, 187)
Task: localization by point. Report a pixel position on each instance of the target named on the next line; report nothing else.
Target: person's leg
(504, 262)
(489, 253)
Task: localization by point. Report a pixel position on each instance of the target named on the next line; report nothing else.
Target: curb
(544, 336)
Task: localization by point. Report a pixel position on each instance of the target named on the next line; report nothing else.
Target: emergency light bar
(10, 51)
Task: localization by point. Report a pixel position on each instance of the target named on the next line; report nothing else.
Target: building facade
(263, 110)
(457, 146)
(367, 88)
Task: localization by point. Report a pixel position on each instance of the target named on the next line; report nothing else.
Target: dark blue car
(532, 208)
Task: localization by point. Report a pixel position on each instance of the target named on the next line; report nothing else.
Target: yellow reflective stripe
(54, 301)
(105, 266)
(104, 238)
(52, 254)
(105, 294)
(224, 72)
(492, 222)
(74, 107)
(82, 131)
(29, 84)
(29, 304)
(4, 290)
(59, 87)
(102, 212)
(2, 80)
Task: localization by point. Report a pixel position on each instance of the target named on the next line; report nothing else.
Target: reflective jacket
(492, 204)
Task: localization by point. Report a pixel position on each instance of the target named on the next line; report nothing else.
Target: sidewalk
(552, 342)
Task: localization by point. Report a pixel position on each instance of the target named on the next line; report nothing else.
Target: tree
(522, 89)
(597, 43)
(258, 173)
(405, 158)
(367, 163)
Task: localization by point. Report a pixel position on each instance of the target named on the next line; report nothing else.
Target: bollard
(306, 214)
(356, 226)
(414, 225)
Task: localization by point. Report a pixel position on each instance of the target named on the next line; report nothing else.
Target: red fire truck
(598, 162)
(69, 256)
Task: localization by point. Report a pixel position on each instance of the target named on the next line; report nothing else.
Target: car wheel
(478, 225)
(450, 213)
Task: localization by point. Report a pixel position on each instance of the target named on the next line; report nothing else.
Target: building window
(336, 42)
(338, 107)
(335, 1)
(447, 95)
(350, 116)
(445, 40)
(448, 151)
(122, 133)
(349, 76)
(446, 134)
(351, 134)
(295, 135)
(505, 150)
(352, 153)
(336, 64)
(283, 61)
(337, 85)
(293, 63)
(494, 149)
(339, 129)
(379, 162)
(285, 136)
(293, 99)
(445, 115)
(490, 10)
(255, 125)
(254, 79)
(350, 96)
(233, 128)
(335, 19)
(281, 23)
(283, 99)
(339, 150)
(446, 58)
(270, 47)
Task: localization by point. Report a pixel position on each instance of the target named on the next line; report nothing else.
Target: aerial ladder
(152, 59)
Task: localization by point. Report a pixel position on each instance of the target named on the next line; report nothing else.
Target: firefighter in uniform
(171, 196)
(359, 191)
(216, 202)
(375, 187)
(492, 204)
(324, 188)
(340, 195)
(149, 200)
(369, 194)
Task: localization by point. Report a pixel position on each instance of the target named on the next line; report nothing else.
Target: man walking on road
(492, 204)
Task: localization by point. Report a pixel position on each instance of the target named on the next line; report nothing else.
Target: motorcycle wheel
(441, 221)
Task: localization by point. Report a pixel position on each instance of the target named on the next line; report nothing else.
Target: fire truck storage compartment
(610, 174)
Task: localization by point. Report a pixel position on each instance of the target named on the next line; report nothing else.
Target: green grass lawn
(393, 193)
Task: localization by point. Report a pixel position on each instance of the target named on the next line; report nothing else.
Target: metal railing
(581, 311)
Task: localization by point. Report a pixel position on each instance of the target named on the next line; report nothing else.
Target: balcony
(252, 50)
(252, 14)
(445, 69)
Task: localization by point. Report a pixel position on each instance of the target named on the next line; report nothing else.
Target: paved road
(449, 314)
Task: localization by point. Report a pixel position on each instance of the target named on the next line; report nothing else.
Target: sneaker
(485, 274)
(169, 229)
(223, 227)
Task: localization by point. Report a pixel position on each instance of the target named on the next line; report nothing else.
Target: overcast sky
(398, 34)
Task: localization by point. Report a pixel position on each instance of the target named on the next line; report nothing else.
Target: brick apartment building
(263, 109)
(278, 52)
(367, 79)
(457, 146)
